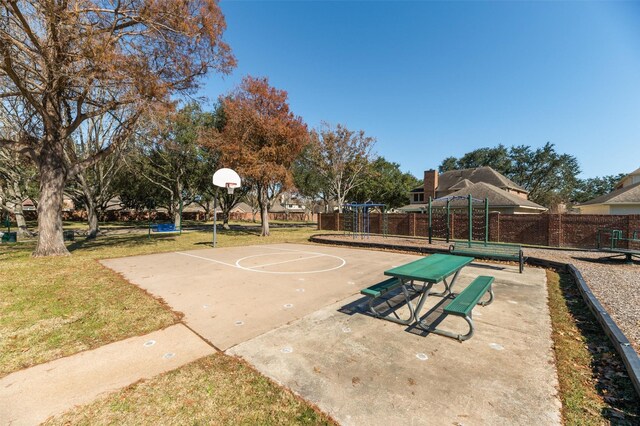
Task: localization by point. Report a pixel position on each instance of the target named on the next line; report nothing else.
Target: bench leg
(447, 287)
(459, 337)
(488, 302)
(396, 319)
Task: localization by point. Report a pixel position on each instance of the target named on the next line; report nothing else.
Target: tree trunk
(177, 219)
(52, 180)
(92, 219)
(225, 219)
(23, 231)
(264, 216)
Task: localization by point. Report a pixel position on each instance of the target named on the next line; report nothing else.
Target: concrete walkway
(30, 396)
(363, 370)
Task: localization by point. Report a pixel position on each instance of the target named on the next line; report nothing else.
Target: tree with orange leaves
(63, 63)
(260, 137)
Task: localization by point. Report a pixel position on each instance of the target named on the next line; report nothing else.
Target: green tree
(497, 158)
(171, 158)
(588, 189)
(383, 182)
(550, 177)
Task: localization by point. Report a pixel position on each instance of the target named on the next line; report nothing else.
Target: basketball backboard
(226, 178)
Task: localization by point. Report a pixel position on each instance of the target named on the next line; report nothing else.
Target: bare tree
(339, 158)
(17, 177)
(93, 186)
(65, 62)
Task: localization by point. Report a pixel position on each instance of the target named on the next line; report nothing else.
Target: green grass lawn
(217, 389)
(594, 387)
(54, 307)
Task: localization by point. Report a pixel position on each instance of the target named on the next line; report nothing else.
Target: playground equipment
(8, 237)
(223, 178)
(357, 219)
(441, 211)
(616, 243)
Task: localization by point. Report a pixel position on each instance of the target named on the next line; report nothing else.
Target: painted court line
(239, 266)
(285, 261)
(205, 258)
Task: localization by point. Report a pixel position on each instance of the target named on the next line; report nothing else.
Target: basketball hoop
(223, 178)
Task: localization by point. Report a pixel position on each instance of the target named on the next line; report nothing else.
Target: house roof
(497, 197)
(241, 207)
(464, 183)
(626, 195)
(447, 180)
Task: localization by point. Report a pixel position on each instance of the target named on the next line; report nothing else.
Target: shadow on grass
(611, 380)
(119, 241)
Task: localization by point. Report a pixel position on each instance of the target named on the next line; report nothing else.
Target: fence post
(448, 221)
(470, 199)
(486, 220)
(430, 228)
(414, 223)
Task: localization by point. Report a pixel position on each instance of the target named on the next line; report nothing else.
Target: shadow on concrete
(394, 301)
(608, 371)
(486, 266)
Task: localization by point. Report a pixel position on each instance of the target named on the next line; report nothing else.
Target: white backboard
(226, 178)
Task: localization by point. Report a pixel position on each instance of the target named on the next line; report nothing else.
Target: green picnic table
(429, 271)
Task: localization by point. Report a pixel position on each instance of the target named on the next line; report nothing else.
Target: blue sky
(435, 79)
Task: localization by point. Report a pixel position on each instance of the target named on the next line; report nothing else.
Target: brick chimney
(430, 184)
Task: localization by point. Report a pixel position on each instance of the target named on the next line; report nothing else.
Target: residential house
(625, 199)
(504, 195)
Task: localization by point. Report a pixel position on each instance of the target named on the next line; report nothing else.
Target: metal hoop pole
(215, 217)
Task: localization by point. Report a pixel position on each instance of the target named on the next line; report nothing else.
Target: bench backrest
(481, 247)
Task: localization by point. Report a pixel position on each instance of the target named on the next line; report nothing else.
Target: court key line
(284, 261)
(238, 266)
(206, 258)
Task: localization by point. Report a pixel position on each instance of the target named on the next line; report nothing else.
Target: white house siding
(595, 209)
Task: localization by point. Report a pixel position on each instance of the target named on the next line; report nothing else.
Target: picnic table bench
(429, 271)
(490, 251)
(616, 236)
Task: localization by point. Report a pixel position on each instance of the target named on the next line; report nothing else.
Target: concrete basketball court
(295, 313)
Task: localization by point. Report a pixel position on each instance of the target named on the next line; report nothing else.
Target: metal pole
(180, 214)
(486, 220)
(448, 221)
(215, 217)
(470, 218)
(430, 224)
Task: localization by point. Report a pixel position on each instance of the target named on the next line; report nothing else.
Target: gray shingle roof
(449, 179)
(628, 194)
(497, 197)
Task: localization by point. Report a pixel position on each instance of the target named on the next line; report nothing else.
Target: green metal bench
(378, 290)
(381, 288)
(464, 303)
(490, 251)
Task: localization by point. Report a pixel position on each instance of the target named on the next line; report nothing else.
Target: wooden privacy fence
(553, 230)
